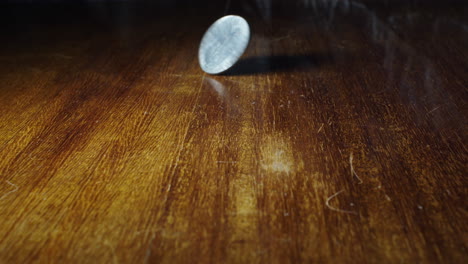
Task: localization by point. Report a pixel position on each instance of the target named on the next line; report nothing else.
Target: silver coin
(223, 44)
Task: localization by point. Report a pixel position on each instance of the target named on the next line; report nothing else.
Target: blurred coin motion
(223, 44)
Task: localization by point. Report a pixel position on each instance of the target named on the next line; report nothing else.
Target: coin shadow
(277, 63)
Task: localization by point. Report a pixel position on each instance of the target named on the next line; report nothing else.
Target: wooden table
(339, 138)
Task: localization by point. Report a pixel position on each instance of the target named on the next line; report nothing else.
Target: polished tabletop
(339, 137)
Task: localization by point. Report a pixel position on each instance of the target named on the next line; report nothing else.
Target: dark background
(16, 13)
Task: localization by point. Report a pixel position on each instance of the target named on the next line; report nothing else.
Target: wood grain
(339, 138)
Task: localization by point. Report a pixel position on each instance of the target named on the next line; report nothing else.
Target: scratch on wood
(433, 110)
(327, 203)
(10, 192)
(353, 172)
(62, 56)
(320, 129)
(281, 38)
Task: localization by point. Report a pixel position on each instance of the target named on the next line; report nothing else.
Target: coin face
(223, 44)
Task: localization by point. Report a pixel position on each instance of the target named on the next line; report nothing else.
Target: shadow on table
(277, 63)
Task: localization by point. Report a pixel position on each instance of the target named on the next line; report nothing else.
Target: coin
(223, 44)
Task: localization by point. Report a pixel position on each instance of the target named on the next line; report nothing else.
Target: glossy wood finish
(340, 137)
